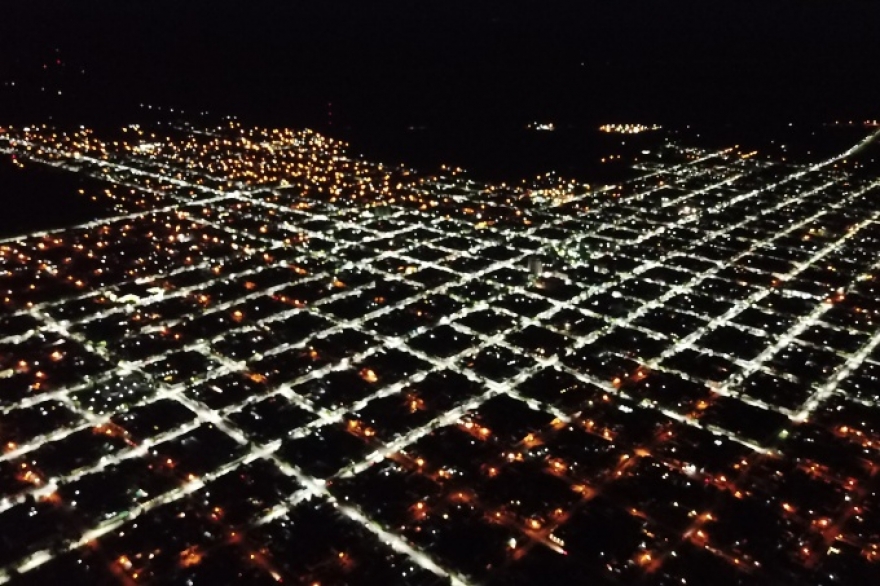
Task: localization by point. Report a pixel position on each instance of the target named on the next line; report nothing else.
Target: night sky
(394, 62)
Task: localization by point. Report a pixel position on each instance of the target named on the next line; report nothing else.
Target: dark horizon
(392, 64)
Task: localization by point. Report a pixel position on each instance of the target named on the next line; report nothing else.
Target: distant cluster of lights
(875, 123)
(627, 128)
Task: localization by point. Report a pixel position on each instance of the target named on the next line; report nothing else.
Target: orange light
(190, 557)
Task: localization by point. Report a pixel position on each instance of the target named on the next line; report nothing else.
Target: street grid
(375, 351)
